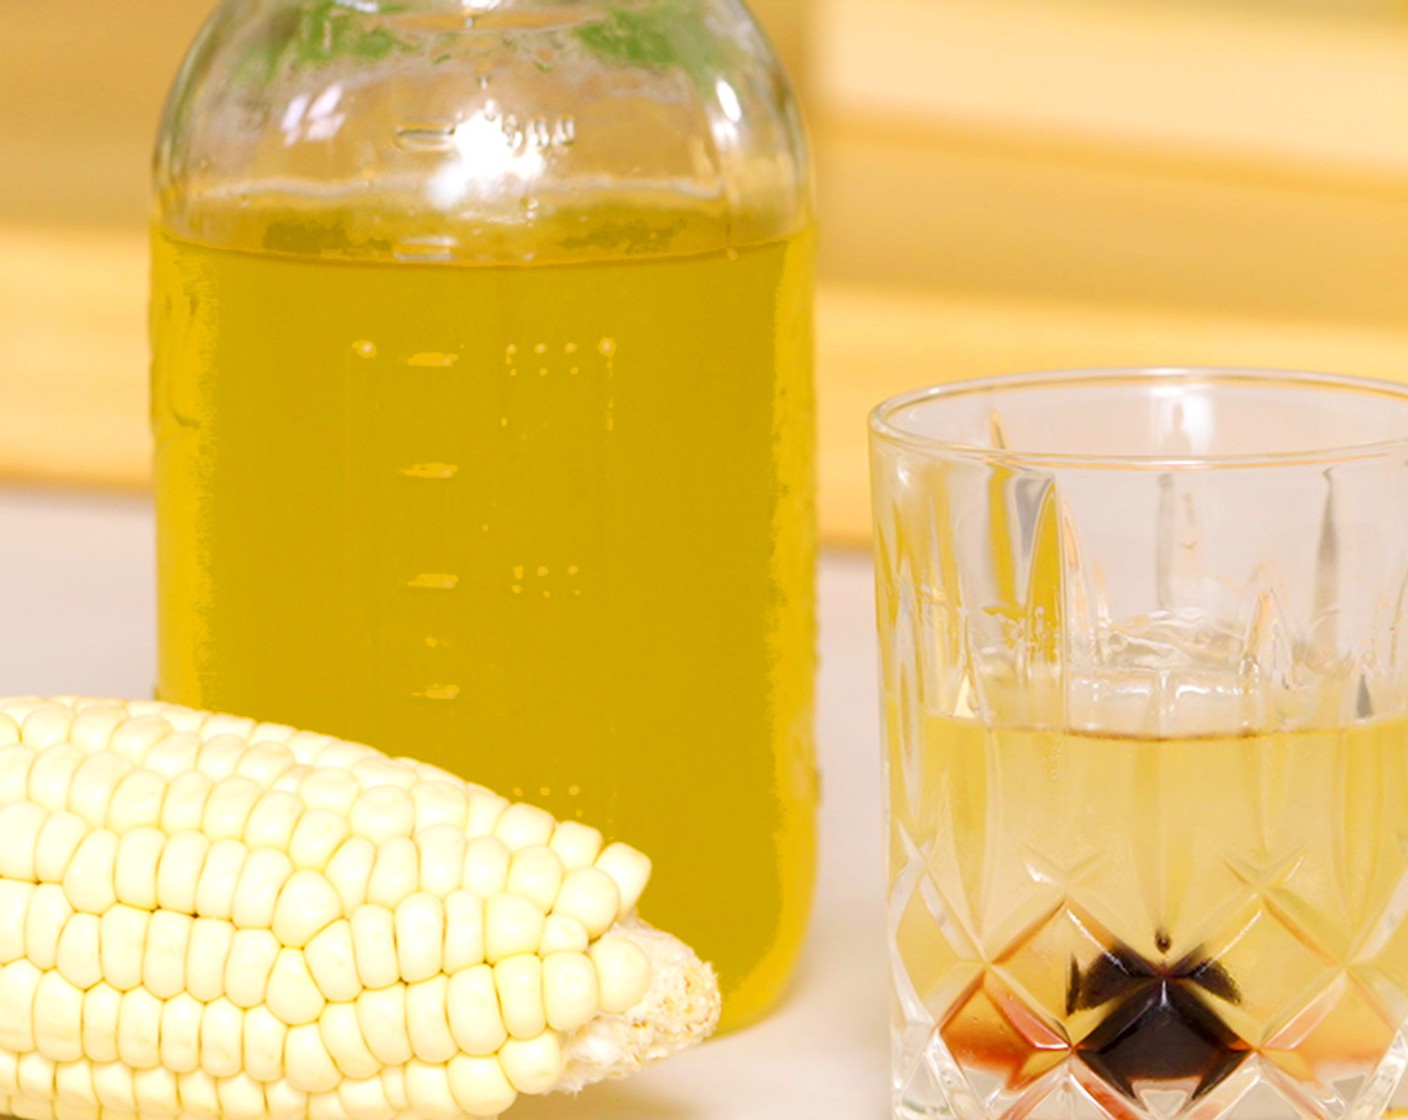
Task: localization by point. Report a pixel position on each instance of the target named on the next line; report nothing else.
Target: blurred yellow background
(1003, 185)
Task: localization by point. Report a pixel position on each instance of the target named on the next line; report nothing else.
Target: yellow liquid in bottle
(549, 526)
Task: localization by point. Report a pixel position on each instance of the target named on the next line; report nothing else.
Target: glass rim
(885, 429)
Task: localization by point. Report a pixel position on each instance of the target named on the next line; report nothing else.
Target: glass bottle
(482, 396)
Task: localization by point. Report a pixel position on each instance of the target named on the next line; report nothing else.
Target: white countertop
(76, 616)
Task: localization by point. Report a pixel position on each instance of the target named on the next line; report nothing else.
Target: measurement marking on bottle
(431, 470)
(431, 248)
(434, 581)
(438, 692)
(429, 359)
(426, 136)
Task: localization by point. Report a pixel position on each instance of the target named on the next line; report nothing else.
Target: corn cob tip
(679, 1010)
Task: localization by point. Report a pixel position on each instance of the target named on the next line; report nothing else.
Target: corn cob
(205, 916)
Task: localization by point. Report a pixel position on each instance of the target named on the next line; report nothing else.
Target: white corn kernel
(374, 944)
(9, 729)
(228, 808)
(35, 1074)
(16, 759)
(122, 936)
(263, 762)
(142, 737)
(222, 1039)
(440, 803)
(576, 844)
(139, 1029)
(332, 961)
(51, 775)
(198, 1095)
(591, 896)
(318, 835)
(112, 1084)
(532, 1065)
(183, 808)
(219, 754)
(524, 826)
(273, 819)
(137, 802)
(307, 905)
(570, 994)
(310, 1068)
(291, 779)
(78, 958)
(562, 934)
(101, 1005)
(93, 727)
(464, 930)
(47, 726)
(342, 1035)
(73, 1083)
(629, 869)
(241, 1098)
(292, 995)
(396, 873)
(285, 1102)
(427, 1020)
(364, 1099)
(330, 753)
(536, 873)
(263, 876)
(183, 859)
(486, 864)
(58, 1019)
(164, 961)
(248, 968)
(441, 859)
(180, 1033)
(485, 810)
(211, 942)
(156, 1092)
(350, 870)
(20, 823)
(15, 898)
(480, 1086)
(213, 724)
(325, 1106)
(215, 889)
(375, 769)
(90, 880)
(44, 921)
(519, 981)
(512, 925)
(428, 1087)
(420, 937)
(382, 1016)
(9, 1074)
(139, 855)
(56, 844)
(622, 973)
(264, 1041)
(381, 812)
(476, 1021)
(94, 783)
(329, 789)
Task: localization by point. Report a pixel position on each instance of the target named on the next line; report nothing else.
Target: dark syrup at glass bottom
(1158, 1026)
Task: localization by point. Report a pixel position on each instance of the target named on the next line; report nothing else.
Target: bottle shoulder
(485, 130)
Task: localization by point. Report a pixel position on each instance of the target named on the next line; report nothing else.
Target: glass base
(930, 1085)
